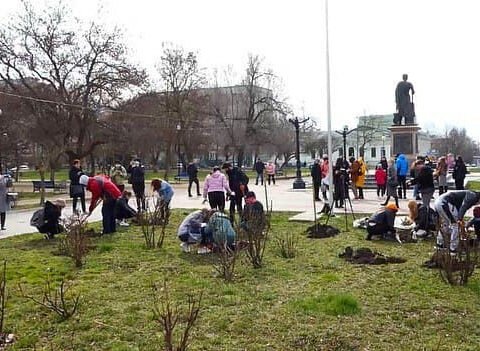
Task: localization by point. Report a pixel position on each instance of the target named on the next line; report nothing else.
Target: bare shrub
(254, 229)
(57, 299)
(457, 268)
(170, 315)
(153, 223)
(287, 244)
(226, 261)
(76, 242)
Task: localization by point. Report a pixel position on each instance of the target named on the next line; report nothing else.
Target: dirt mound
(365, 255)
(321, 231)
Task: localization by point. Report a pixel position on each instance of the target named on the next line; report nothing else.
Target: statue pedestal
(405, 140)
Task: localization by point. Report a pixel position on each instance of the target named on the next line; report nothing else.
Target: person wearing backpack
(238, 184)
(118, 174)
(48, 220)
(103, 188)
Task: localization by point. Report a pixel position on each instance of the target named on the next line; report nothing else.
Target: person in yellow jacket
(361, 174)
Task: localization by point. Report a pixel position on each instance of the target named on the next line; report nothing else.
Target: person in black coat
(383, 223)
(316, 174)
(259, 168)
(136, 173)
(237, 181)
(52, 212)
(77, 191)
(192, 172)
(459, 173)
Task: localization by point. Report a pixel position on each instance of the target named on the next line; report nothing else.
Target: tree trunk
(41, 172)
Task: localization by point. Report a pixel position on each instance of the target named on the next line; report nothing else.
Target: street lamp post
(344, 134)
(299, 183)
(383, 146)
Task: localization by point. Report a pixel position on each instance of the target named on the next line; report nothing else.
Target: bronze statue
(405, 107)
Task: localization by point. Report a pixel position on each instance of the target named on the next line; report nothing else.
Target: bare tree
(48, 55)
(181, 78)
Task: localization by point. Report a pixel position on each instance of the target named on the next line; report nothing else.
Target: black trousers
(139, 190)
(376, 229)
(190, 182)
(217, 200)
(108, 216)
(2, 219)
(459, 184)
(316, 190)
(402, 181)
(235, 201)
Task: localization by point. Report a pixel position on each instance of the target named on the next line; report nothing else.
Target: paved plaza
(281, 197)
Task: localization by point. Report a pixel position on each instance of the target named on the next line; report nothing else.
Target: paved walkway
(280, 196)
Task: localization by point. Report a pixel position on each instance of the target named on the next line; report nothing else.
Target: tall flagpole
(329, 113)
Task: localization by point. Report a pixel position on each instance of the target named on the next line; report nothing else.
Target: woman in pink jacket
(270, 169)
(214, 187)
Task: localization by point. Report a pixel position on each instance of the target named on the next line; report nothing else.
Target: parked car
(21, 168)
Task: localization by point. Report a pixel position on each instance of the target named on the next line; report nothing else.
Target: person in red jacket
(381, 180)
(103, 188)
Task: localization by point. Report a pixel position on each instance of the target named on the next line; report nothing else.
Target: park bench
(60, 187)
(181, 177)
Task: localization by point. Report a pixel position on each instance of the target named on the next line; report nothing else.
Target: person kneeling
(382, 223)
(190, 231)
(218, 231)
(51, 218)
(123, 210)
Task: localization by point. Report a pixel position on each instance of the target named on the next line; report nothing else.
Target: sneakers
(185, 247)
(123, 223)
(203, 250)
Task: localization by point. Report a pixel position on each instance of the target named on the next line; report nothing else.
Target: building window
(373, 152)
(382, 151)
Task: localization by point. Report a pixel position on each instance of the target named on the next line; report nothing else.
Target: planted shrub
(172, 316)
(76, 242)
(287, 245)
(153, 223)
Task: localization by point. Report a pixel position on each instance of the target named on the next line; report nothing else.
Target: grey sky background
(372, 43)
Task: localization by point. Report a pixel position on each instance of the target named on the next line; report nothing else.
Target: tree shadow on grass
(198, 259)
(39, 243)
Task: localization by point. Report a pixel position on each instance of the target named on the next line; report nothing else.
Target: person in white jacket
(214, 188)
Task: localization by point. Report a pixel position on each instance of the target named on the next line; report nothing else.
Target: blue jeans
(259, 175)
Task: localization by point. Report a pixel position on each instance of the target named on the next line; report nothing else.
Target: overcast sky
(372, 43)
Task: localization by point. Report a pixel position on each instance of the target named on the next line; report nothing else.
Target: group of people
(212, 228)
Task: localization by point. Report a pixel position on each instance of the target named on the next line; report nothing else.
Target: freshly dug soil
(365, 255)
(321, 231)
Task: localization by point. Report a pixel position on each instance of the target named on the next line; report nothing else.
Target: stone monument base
(405, 140)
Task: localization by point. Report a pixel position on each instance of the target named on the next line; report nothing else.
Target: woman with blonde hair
(441, 175)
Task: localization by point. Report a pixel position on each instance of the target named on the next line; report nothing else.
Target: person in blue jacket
(165, 193)
(402, 171)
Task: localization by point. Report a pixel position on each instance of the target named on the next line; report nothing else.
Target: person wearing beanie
(52, 212)
(382, 223)
(103, 188)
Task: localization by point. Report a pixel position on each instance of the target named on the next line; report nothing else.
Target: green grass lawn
(315, 301)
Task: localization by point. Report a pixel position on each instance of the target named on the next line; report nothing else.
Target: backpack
(37, 219)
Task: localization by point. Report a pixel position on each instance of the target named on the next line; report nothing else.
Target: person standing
(192, 171)
(214, 187)
(77, 191)
(384, 163)
(402, 172)
(459, 173)
(137, 179)
(259, 168)
(392, 183)
(354, 166)
(316, 174)
(270, 169)
(3, 200)
(381, 180)
(102, 188)
(362, 171)
(324, 169)
(118, 174)
(441, 174)
(238, 183)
